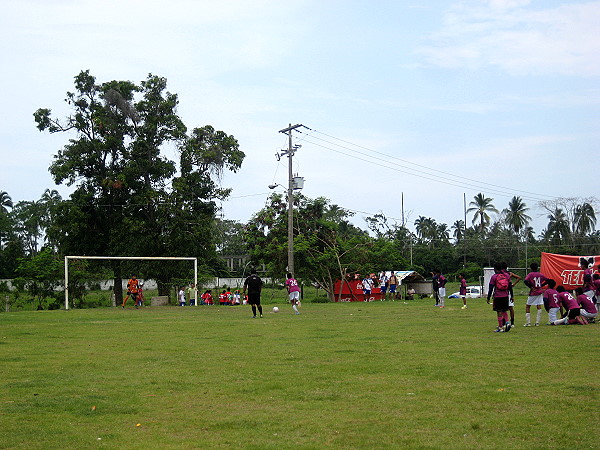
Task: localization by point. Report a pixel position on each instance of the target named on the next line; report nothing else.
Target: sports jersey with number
(535, 280)
(292, 285)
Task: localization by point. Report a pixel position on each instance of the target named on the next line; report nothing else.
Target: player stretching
(293, 291)
(132, 289)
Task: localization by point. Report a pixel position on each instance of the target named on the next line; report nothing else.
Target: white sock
(295, 308)
(527, 317)
(561, 321)
(539, 316)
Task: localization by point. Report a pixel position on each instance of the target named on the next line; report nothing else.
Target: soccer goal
(136, 258)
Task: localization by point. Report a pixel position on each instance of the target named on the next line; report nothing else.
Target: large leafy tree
(128, 199)
(482, 206)
(326, 244)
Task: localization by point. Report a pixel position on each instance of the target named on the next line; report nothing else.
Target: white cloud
(516, 37)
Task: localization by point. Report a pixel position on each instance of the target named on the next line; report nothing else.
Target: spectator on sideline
(181, 296)
(383, 283)
(392, 284)
(191, 294)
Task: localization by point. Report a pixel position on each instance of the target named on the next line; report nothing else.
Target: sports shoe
(537, 324)
(527, 325)
(297, 313)
(464, 307)
(507, 327)
(498, 330)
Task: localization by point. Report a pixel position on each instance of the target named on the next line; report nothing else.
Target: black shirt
(253, 283)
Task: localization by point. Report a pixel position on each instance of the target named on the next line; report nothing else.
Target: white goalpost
(137, 258)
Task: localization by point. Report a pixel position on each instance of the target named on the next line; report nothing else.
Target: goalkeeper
(133, 289)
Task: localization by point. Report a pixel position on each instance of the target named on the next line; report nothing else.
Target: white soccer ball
(275, 309)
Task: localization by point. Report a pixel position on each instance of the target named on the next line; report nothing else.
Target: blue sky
(431, 99)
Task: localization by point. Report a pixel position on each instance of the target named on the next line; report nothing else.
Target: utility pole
(290, 154)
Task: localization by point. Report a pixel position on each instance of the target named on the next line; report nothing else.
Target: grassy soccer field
(377, 375)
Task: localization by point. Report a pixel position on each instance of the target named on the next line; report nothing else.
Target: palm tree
(481, 205)
(5, 201)
(584, 219)
(558, 226)
(515, 215)
(459, 230)
(426, 228)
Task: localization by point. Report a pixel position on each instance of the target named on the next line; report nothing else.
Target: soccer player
(132, 289)
(293, 291)
(551, 301)
(462, 291)
(441, 288)
(534, 281)
(499, 287)
(569, 303)
(588, 281)
(436, 287)
(596, 281)
(586, 306)
(254, 286)
(511, 295)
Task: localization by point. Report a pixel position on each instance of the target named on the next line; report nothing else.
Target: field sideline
(352, 375)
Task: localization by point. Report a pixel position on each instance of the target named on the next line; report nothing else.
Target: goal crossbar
(136, 258)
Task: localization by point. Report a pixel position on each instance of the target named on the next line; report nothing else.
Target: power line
(422, 171)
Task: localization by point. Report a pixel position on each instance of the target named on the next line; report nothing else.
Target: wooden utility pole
(290, 154)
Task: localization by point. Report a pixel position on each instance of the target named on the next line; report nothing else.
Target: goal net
(135, 258)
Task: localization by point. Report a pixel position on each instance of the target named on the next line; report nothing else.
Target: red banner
(566, 269)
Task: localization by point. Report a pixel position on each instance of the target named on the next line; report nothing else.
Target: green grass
(378, 375)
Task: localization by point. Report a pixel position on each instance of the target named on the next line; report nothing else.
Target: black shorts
(501, 304)
(253, 298)
(573, 313)
(133, 294)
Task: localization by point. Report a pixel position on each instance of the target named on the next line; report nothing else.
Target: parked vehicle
(472, 292)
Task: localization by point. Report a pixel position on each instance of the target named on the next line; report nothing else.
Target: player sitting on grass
(586, 306)
(569, 303)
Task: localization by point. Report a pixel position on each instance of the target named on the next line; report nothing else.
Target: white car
(472, 292)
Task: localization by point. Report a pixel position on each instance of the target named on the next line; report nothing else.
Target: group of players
(253, 284)
(581, 308)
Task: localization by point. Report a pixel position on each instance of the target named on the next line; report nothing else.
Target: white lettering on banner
(572, 277)
(359, 286)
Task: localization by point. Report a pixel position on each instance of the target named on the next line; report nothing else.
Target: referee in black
(254, 286)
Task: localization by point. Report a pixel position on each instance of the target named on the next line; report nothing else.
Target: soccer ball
(275, 309)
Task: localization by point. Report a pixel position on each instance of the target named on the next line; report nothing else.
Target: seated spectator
(410, 293)
(223, 300)
(206, 298)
